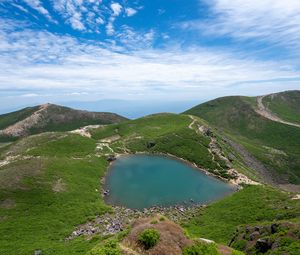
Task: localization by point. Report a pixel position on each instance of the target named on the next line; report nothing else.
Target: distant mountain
(133, 108)
(50, 117)
(266, 126)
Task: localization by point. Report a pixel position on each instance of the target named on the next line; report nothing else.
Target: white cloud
(29, 95)
(130, 11)
(110, 30)
(133, 40)
(116, 8)
(37, 5)
(274, 21)
(41, 61)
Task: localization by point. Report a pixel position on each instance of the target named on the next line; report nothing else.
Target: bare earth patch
(59, 186)
(8, 204)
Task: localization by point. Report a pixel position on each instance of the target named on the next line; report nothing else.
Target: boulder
(111, 158)
(150, 144)
(262, 245)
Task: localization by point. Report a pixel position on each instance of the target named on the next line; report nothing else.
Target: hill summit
(50, 117)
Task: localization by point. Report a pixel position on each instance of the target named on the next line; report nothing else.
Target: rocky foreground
(121, 218)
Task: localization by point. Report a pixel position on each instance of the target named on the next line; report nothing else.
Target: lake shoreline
(185, 203)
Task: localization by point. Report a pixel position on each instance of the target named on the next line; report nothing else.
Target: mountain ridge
(271, 141)
(51, 117)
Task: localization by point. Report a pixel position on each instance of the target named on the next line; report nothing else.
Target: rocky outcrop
(273, 238)
(121, 218)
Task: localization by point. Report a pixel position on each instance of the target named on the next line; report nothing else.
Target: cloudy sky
(150, 50)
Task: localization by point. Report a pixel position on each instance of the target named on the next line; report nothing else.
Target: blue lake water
(141, 181)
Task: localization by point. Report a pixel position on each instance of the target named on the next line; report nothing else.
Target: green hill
(285, 105)
(274, 144)
(49, 117)
(50, 185)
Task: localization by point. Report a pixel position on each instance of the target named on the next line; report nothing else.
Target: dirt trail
(265, 112)
(193, 121)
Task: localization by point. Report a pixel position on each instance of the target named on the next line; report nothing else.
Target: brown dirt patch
(8, 204)
(172, 238)
(59, 186)
(224, 250)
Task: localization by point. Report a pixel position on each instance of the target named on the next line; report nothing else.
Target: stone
(254, 235)
(111, 158)
(274, 228)
(262, 245)
(150, 144)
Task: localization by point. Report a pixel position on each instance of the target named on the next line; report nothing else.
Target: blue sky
(152, 50)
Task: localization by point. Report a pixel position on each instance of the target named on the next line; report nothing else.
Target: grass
(285, 105)
(253, 204)
(42, 218)
(42, 215)
(168, 134)
(236, 117)
(11, 118)
(70, 145)
(56, 119)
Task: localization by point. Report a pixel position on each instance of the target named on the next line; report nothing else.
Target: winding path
(265, 112)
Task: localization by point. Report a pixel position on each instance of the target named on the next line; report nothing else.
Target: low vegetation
(285, 105)
(251, 205)
(50, 183)
(274, 144)
(49, 117)
(149, 238)
(110, 247)
(200, 248)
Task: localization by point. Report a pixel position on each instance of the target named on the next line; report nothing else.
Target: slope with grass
(46, 192)
(285, 105)
(51, 183)
(170, 134)
(252, 206)
(50, 117)
(274, 144)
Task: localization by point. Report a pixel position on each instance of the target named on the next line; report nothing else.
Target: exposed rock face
(276, 238)
(21, 128)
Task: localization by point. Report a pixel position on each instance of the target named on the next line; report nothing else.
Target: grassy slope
(169, 132)
(252, 205)
(285, 105)
(11, 118)
(42, 218)
(57, 118)
(236, 117)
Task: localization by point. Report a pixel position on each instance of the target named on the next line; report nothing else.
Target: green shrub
(240, 245)
(154, 222)
(162, 218)
(200, 248)
(110, 247)
(149, 238)
(237, 253)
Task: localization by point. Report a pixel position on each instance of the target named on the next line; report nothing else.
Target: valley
(51, 179)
